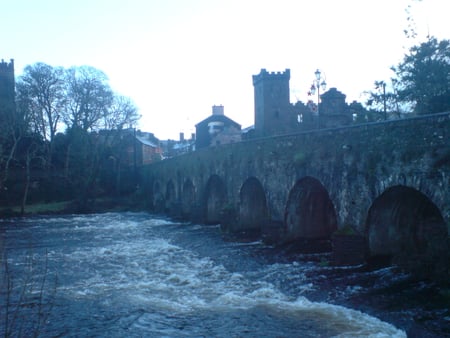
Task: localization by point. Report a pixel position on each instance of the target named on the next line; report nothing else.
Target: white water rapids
(134, 275)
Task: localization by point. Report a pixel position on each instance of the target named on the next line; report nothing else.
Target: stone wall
(355, 164)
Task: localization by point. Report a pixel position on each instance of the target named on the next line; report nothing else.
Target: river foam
(153, 276)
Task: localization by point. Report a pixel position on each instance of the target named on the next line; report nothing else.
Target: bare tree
(40, 93)
(32, 149)
(14, 128)
(122, 113)
(10, 136)
(80, 98)
(89, 98)
(95, 116)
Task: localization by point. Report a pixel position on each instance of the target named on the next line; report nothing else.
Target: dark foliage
(422, 78)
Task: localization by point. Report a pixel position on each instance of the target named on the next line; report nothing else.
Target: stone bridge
(387, 182)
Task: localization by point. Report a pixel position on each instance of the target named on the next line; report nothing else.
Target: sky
(177, 58)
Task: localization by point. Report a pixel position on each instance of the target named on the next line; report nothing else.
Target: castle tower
(273, 111)
(7, 90)
(334, 111)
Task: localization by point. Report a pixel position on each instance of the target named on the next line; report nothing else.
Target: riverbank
(36, 209)
(99, 205)
(420, 308)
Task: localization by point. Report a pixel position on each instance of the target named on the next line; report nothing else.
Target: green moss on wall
(300, 158)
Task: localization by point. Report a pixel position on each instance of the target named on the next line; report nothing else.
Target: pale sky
(177, 58)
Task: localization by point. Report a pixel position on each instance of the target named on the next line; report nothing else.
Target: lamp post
(382, 84)
(317, 84)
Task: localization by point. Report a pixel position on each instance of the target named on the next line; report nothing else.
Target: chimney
(217, 110)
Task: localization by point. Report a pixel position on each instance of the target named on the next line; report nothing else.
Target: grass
(38, 208)
(346, 230)
(46, 207)
(100, 204)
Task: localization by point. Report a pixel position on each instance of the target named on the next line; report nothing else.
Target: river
(138, 275)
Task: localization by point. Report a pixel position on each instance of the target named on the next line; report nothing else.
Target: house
(147, 148)
(132, 147)
(172, 148)
(217, 129)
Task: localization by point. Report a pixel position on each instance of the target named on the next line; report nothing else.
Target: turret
(7, 81)
(7, 91)
(273, 112)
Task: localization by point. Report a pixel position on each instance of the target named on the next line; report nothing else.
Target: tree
(121, 113)
(40, 95)
(18, 145)
(9, 122)
(48, 97)
(359, 113)
(89, 98)
(32, 147)
(383, 103)
(82, 164)
(11, 131)
(95, 117)
(422, 78)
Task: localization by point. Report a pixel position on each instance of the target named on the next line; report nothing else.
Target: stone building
(182, 146)
(276, 115)
(334, 112)
(147, 148)
(7, 91)
(273, 110)
(217, 129)
(131, 147)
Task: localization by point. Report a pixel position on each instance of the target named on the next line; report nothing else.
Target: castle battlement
(7, 81)
(6, 67)
(264, 75)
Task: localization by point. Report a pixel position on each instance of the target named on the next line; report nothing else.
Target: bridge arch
(215, 199)
(253, 211)
(309, 212)
(170, 196)
(188, 198)
(158, 197)
(402, 221)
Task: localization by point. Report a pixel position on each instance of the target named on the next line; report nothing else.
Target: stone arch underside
(215, 199)
(187, 198)
(309, 213)
(170, 196)
(253, 211)
(158, 197)
(404, 221)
